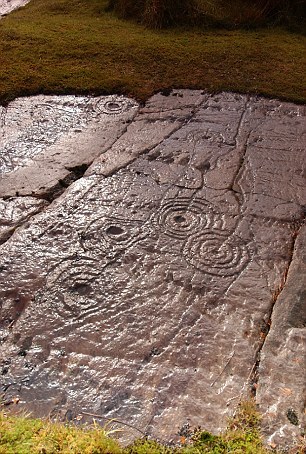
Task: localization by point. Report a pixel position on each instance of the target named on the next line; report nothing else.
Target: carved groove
(179, 218)
(216, 252)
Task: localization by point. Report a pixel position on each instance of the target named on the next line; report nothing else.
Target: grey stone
(14, 212)
(54, 136)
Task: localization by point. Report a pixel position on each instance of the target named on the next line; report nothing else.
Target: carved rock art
(217, 253)
(54, 137)
(145, 292)
(206, 243)
(15, 211)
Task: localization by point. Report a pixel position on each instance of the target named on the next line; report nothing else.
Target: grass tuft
(22, 435)
(230, 13)
(156, 13)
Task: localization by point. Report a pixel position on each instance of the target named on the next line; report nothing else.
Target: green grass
(21, 435)
(60, 46)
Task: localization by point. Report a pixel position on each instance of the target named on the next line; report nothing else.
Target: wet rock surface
(166, 283)
(7, 6)
(16, 211)
(282, 373)
(48, 142)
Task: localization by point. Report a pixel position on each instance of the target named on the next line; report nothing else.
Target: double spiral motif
(206, 244)
(203, 240)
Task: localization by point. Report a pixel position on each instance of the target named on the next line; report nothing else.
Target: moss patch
(21, 435)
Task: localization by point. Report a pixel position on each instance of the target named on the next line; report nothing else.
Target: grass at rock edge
(21, 435)
(60, 46)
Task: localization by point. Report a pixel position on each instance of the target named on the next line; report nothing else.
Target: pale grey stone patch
(7, 6)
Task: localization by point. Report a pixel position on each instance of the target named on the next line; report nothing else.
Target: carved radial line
(216, 252)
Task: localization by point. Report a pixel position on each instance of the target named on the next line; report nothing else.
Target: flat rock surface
(47, 141)
(281, 390)
(165, 284)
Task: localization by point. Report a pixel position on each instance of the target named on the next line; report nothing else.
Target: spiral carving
(198, 231)
(216, 252)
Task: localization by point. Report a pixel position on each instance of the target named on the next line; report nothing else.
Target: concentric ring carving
(111, 234)
(216, 252)
(72, 286)
(179, 218)
(198, 230)
(206, 242)
(113, 107)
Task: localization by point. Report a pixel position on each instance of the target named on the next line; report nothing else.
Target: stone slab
(15, 212)
(281, 390)
(145, 291)
(55, 135)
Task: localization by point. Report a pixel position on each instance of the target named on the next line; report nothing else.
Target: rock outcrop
(152, 265)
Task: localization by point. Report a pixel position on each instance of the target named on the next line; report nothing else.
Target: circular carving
(72, 287)
(215, 252)
(114, 107)
(109, 235)
(179, 218)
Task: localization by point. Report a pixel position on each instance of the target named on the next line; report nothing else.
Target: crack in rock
(265, 329)
(16, 211)
(281, 371)
(55, 134)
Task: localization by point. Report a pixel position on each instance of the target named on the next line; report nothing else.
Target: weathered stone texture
(282, 373)
(145, 291)
(15, 211)
(46, 139)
